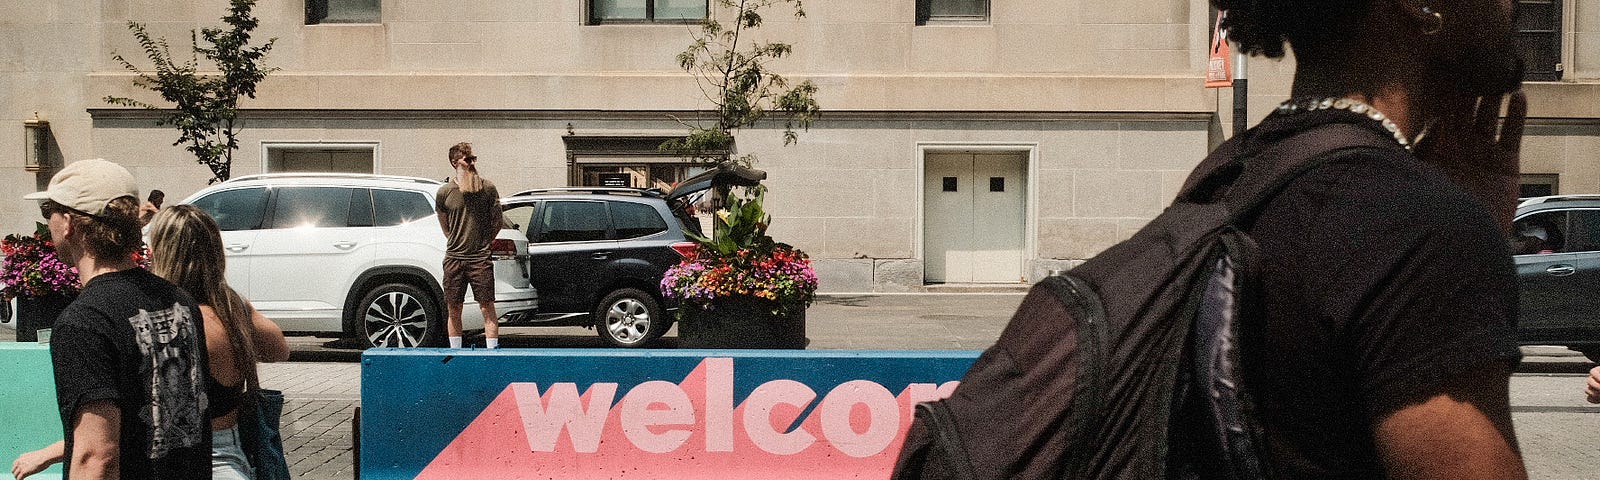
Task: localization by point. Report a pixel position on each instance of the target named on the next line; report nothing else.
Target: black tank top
(223, 399)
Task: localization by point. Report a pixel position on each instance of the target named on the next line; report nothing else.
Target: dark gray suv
(1556, 243)
(598, 255)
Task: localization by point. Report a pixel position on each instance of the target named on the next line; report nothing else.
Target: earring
(1437, 23)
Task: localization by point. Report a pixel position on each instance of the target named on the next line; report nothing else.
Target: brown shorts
(460, 273)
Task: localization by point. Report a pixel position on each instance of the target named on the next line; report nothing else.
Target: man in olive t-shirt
(469, 212)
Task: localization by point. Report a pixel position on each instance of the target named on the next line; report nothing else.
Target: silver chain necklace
(1292, 107)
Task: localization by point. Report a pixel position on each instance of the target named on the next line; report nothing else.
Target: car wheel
(629, 317)
(399, 315)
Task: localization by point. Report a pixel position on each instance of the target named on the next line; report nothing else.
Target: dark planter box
(741, 322)
(34, 313)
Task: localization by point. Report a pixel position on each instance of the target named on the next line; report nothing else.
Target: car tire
(629, 317)
(399, 315)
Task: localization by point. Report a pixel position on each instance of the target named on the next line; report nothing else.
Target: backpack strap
(1266, 172)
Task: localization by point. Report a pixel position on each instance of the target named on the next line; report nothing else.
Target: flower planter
(34, 313)
(741, 322)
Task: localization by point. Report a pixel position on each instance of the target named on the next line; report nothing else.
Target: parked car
(598, 256)
(352, 255)
(1556, 242)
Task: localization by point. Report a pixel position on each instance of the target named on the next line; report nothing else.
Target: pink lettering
(758, 421)
(583, 418)
(927, 392)
(840, 428)
(719, 404)
(638, 417)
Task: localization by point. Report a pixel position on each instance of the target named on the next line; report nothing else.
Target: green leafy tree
(732, 72)
(205, 106)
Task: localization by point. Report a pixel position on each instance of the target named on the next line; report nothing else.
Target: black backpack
(1128, 365)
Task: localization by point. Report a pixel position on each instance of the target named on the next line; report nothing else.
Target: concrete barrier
(678, 414)
(28, 414)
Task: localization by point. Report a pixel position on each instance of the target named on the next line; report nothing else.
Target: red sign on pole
(1219, 70)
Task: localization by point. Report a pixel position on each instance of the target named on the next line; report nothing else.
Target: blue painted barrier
(29, 418)
(437, 413)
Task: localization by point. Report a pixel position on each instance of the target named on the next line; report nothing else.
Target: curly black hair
(1260, 27)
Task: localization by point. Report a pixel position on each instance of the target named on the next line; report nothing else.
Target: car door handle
(237, 247)
(344, 245)
(600, 255)
(1560, 270)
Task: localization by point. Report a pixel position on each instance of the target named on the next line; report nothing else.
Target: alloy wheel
(396, 319)
(628, 320)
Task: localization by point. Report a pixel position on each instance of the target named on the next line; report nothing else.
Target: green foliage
(737, 81)
(205, 106)
(744, 223)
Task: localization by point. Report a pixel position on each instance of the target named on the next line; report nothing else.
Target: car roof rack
(1523, 202)
(643, 192)
(333, 175)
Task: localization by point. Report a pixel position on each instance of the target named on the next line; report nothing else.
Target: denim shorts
(227, 456)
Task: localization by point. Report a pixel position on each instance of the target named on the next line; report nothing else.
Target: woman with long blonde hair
(186, 249)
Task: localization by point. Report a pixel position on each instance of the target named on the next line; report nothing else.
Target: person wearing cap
(469, 212)
(129, 353)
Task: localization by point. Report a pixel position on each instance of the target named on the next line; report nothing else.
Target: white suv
(352, 255)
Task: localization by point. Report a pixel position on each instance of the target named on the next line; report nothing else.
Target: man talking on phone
(469, 212)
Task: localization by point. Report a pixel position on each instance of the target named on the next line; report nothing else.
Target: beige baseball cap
(88, 185)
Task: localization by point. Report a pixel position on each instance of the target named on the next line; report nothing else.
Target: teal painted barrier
(28, 415)
(626, 414)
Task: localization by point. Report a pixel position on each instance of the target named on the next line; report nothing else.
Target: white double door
(974, 209)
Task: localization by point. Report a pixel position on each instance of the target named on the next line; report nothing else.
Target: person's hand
(1593, 388)
(1480, 154)
(31, 462)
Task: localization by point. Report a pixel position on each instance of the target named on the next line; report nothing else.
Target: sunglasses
(48, 207)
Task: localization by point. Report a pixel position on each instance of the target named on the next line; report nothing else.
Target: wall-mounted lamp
(35, 143)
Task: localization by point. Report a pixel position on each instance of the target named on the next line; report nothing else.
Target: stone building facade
(961, 141)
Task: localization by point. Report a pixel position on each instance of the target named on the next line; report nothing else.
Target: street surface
(1558, 431)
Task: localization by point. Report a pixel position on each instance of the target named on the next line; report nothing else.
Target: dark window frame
(1551, 180)
(1541, 41)
(591, 17)
(317, 14)
(925, 14)
(224, 222)
(272, 222)
(542, 232)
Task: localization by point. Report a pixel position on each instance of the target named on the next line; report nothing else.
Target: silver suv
(352, 255)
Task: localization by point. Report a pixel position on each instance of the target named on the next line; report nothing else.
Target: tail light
(503, 248)
(684, 249)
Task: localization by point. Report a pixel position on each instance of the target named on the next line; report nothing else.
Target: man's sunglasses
(48, 207)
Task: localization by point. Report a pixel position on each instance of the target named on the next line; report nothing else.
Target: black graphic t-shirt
(137, 340)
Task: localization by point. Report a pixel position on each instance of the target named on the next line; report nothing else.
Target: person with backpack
(1331, 295)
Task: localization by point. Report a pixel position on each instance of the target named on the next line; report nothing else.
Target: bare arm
(270, 344)
(36, 461)
(96, 452)
(1463, 433)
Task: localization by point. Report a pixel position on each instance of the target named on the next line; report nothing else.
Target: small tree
(739, 85)
(205, 106)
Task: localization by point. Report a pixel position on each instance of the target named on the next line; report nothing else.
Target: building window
(646, 11)
(1538, 26)
(341, 11)
(1539, 185)
(940, 11)
(315, 157)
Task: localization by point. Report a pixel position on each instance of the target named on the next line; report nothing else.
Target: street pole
(1241, 95)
